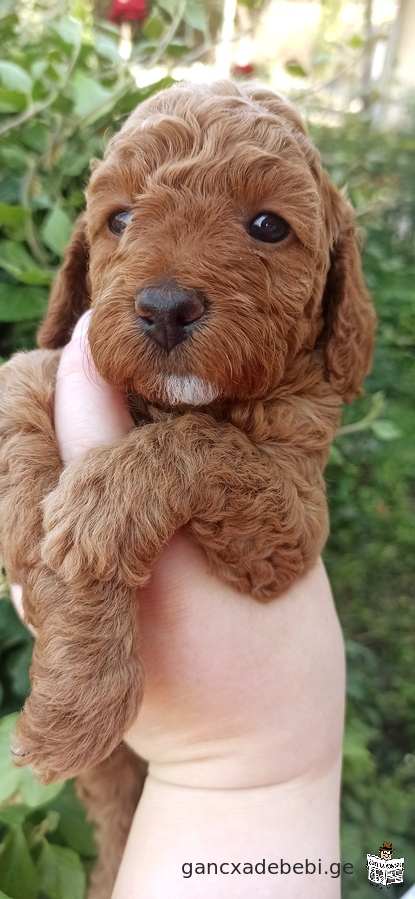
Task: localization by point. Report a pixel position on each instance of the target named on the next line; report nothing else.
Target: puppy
(229, 306)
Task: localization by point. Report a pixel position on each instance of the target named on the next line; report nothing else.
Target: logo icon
(382, 869)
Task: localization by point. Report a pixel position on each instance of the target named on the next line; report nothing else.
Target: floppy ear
(69, 296)
(349, 315)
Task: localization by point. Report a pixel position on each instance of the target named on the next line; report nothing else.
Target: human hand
(243, 708)
(88, 411)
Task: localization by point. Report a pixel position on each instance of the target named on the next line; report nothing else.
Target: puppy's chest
(144, 412)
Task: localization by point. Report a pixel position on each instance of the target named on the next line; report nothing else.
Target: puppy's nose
(168, 313)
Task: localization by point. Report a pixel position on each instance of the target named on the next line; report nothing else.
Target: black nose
(168, 313)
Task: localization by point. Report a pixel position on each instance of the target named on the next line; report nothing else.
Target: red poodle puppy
(228, 305)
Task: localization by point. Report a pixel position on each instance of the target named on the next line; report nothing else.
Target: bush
(370, 555)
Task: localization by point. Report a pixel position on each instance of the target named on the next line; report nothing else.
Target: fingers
(229, 680)
(88, 411)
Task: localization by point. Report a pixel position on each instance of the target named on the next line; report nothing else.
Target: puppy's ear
(349, 315)
(69, 296)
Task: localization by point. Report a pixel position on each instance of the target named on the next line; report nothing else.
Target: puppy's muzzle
(169, 313)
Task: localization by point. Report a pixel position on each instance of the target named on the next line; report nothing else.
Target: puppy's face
(209, 246)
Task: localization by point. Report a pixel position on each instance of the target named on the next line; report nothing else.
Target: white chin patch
(189, 390)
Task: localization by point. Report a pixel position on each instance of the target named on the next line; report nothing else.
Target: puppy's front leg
(261, 519)
(73, 710)
(86, 677)
(114, 510)
(29, 464)
(260, 516)
(107, 520)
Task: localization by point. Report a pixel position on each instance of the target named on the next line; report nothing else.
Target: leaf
(74, 165)
(38, 69)
(296, 70)
(14, 78)
(18, 663)
(385, 430)
(3, 895)
(378, 402)
(56, 230)
(194, 15)
(153, 28)
(357, 759)
(170, 6)
(20, 780)
(12, 101)
(18, 875)
(335, 456)
(356, 42)
(87, 94)
(10, 188)
(14, 156)
(9, 775)
(69, 30)
(47, 825)
(7, 19)
(20, 302)
(14, 814)
(15, 260)
(177, 48)
(35, 136)
(34, 793)
(61, 872)
(13, 216)
(75, 830)
(107, 46)
(12, 631)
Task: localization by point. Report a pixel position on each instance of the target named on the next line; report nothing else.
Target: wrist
(177, 831)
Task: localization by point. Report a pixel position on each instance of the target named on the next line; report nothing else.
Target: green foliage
(64, 81)
(62, 84)
(371, 488)
(45, 844)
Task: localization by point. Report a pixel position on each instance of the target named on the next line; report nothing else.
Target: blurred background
(69, 73)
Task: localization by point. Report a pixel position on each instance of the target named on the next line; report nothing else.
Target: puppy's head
(219, 259)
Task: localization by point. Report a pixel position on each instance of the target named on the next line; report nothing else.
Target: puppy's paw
(63, 751)
(74, 546)
(87, 678)
(31, 750)
(88, 530)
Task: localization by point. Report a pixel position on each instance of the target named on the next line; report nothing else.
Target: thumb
(88, 411)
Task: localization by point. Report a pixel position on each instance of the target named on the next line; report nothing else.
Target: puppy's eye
(118, 221)
(268, 227)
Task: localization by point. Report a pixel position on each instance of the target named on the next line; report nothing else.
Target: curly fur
(233, 425)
